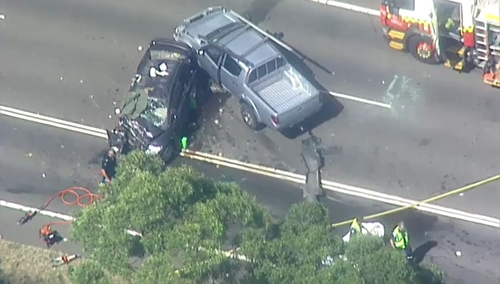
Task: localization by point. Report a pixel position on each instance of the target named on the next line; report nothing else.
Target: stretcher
(367, 228)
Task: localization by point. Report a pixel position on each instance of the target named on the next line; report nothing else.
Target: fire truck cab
(462, 34)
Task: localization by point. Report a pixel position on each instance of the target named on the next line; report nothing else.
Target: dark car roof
(170, 44)
(163, 85)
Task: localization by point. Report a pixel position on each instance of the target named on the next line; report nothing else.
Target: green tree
(88, 272)
(304, 249)
(293, 251)
(2, 276)
(183, 217)
(429, 274)
(379, 264)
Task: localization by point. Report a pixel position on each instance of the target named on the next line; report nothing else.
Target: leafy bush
(88, 272)
(184, 218)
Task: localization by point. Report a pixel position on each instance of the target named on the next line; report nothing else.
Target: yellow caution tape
(429, 200)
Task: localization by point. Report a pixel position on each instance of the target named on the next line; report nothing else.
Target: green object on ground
(184, 142)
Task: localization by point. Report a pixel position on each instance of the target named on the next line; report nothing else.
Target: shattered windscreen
(156, 112)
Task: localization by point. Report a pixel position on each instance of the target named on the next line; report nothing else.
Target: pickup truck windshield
(265, 69)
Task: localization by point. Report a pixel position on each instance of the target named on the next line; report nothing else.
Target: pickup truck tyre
(249, 117)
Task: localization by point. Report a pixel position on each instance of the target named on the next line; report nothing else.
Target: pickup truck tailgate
(292, 101)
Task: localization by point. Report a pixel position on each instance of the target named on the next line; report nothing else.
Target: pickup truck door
(210, 61)
(230, 78)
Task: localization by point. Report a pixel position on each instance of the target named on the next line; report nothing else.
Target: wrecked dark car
(157, 110)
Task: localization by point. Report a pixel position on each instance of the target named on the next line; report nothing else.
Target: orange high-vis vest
(45, 231)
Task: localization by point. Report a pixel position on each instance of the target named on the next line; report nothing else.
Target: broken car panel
(155, 113)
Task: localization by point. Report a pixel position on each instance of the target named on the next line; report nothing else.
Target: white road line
(360, 100)
(47, 213)
(257, 169)
(54, 122)
(356, 9)
(349, 7)
(23, 208)
(344, 189)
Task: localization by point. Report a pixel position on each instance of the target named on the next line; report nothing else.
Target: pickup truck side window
(265, 69)
(252, 77)
(271, 66)
(231, 66)
(261, 71)
(214, 54)
(280, 62)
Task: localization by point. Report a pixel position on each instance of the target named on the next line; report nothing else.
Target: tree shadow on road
(259, 10)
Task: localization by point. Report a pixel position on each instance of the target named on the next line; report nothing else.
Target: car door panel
(230, 74)
(210, 62)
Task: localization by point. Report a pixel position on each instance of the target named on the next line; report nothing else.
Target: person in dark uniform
(108, 167)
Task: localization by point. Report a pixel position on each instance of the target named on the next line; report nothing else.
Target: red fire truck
(462, 34)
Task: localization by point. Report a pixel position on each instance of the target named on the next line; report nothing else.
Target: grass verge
(23, 264)
(30, 265)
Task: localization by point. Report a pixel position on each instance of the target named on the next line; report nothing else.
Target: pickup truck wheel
(249, 117)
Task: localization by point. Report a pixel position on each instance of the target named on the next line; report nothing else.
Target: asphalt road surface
(37, 162)
(73, 60)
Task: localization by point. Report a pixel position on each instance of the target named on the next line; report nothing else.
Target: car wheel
(168, 153)
(249, 117)
(422, 49)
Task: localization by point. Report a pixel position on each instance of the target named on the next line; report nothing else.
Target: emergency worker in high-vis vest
(401, 240)
(355, 229)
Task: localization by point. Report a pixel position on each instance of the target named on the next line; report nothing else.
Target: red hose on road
(81, 197)
(79, 194)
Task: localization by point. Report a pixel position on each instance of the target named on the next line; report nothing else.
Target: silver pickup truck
(243, 60)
